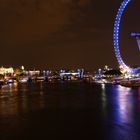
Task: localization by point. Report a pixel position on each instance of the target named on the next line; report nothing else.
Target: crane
(137, 36)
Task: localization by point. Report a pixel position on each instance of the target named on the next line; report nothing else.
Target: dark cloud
(57, 33)
(24, 21)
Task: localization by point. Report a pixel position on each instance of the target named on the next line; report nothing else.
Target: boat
(130, 82)
(23, 80)
(40, 78)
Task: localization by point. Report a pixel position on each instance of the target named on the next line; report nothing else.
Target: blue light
(116, 36)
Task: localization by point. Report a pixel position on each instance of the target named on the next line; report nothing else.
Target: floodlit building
(4, 71)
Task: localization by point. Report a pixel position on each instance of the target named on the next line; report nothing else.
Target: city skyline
(72, 34)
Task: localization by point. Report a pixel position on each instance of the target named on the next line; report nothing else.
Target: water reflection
(10, 88)
(120, 111)
(21, 98)
(104, 99)
(125, 105)
(83, 107)
(139, 93)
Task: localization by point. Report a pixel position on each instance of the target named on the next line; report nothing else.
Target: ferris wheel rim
(116, 35)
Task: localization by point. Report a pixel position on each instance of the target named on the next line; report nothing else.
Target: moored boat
(130, 82)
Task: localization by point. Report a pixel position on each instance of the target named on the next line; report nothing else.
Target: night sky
(65, 33)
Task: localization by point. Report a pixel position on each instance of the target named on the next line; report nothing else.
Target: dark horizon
(71, 34)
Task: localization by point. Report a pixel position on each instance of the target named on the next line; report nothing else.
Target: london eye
(117, 34)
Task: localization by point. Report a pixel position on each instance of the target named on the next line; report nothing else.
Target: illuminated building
(4, 71)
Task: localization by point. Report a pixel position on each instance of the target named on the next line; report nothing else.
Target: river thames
(69, 110)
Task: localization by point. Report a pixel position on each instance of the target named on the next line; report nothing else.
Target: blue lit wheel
(116, 37)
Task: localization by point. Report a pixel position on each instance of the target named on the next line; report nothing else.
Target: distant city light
(22, 67)
(4, 71)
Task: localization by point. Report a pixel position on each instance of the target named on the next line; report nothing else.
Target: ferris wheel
(116, 37)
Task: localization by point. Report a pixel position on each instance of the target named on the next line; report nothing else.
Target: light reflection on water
(10, 88)
(120, 105)
(125, 105)
(139, 93)
(15, 99)
(104, 99)
(117, 106)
